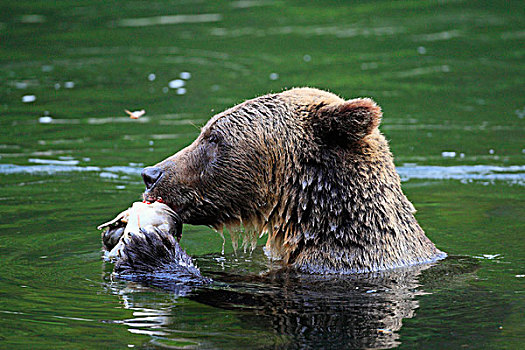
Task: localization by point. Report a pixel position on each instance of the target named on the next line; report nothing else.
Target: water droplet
(491, 151)
(69, 84)
(307, 58)
(185, 75)
(181, 91)
(57, 86)
(151, 77)
(421, 50)
(274, 76)
(448, 154)
(45, 120)
(177, 83)
(28, 98)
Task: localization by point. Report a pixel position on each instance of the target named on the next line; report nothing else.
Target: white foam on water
(109, 120)
(446, 35)
(175, 19)
(310, 31)
(177, 83)
(45, 119)
(47, 169)
(448, 154)
(28, 98)
(53, 161)
(185, 75)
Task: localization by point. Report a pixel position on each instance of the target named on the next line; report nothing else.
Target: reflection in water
(279, 307)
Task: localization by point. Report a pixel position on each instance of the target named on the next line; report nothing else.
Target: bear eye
(213, 138)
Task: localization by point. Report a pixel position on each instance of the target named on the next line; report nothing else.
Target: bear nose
(150, 175)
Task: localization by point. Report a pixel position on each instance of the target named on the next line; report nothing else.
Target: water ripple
(175, 19)
(514, 174)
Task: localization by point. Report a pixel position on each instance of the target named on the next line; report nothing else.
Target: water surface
(448, 75)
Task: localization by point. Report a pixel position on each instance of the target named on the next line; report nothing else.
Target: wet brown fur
(309, 169)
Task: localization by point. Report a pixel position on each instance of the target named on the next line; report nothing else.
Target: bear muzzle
(151, 175)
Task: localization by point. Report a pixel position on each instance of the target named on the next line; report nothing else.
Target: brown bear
(307, 168)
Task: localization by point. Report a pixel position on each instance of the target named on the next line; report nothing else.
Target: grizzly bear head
(306, 167)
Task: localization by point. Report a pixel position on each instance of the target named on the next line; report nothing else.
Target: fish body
(140, 217)
(143, 241)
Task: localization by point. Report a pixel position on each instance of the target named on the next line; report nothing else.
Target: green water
(449, 76)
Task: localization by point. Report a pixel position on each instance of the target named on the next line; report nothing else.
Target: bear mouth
(149, 198)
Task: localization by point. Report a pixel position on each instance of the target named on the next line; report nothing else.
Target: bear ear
(346, 122)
